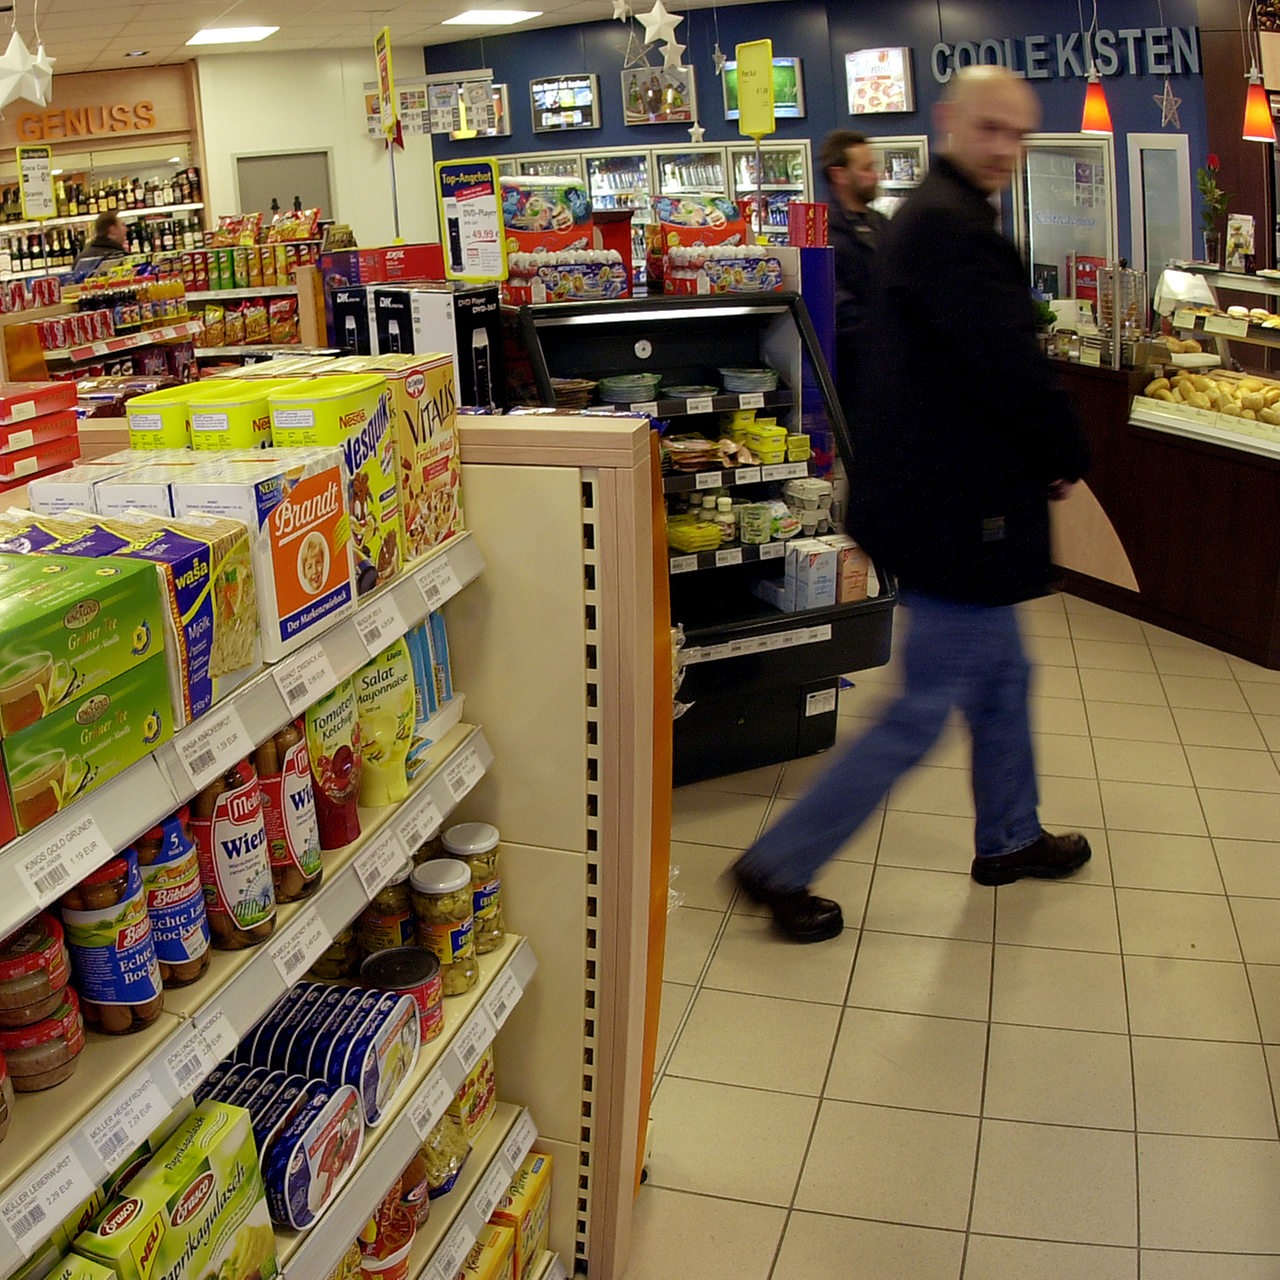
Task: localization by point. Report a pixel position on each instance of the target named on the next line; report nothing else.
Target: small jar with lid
(340, 959)
(34, 968)
(477, 844)
(387, 922)
(441, 893)
(45, 1053)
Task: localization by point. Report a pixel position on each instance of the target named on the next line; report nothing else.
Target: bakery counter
(1175, 523)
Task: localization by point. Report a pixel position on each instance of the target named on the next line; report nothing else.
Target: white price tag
(189, 1061)
(519, 1140)
(1184, 318)
(380, 623)
(698, 404)
(796, 470)
(212, 744)
(778, 471)
(379, 862)
(116, 1130)
(747, 475)
(73, 850)
(492, 1188)
(773, 550)
(463, 774)
(751, 400)
(453, 1251)
(501, 998)
(301, 945)
(305, 677)
(648, 406)
(474, 1038)
(429, 1104)
(99, 348)
(437, 582)
(683, 564)
(417, 827)
(1091, 356)
(821, 703)
(1231, 326)
(728, 557)
(709, 479)
(43, 1202)
(218, 1034)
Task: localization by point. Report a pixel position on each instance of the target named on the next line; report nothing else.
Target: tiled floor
(1048, 1081)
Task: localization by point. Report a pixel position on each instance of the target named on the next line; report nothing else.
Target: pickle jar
(113, 954)
(441, 894)
(387, 922)
(341, 959)
(477, 844)
(170, 871)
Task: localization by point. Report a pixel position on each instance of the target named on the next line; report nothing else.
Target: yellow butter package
(158, 419)
(352, 412)
(232, 414)
(492, 1257)
(526, 1209)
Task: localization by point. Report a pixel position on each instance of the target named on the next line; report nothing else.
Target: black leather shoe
(1047, 859)
(797, 913)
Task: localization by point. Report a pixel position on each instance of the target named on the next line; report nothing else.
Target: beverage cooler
(903, 163)
(1065, 211)
(787, 176)
(542, 164)
(623, 180)
(681, 171)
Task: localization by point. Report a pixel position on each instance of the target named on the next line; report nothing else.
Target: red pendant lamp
(1258, 124)
(1096, 117)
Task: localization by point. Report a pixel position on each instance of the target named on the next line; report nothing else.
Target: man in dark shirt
(109, 238)
(854, 227)
(961, 438)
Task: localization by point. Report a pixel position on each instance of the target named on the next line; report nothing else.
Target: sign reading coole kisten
(87, 122)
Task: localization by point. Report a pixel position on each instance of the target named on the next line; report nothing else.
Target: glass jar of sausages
(175, 900)
(476, 844)
(289, 812)
(441, 893)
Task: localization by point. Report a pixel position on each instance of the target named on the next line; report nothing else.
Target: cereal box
(296, 514)
(526, 1209)
(198, 1208)
(352, 412)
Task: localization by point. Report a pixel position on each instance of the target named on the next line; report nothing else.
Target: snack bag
(235, 327)
(215, 326)
(283, 320)
(256, 326)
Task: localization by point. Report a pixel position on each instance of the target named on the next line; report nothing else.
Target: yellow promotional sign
(386, 82)
(755, 88)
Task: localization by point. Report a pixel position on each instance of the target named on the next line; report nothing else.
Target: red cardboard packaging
(21, 464)
(807, 225)
(20, 401)
(41, 430)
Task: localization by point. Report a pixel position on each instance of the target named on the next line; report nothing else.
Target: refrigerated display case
(903, 163)
(546, 164)
(787, 176)
(624, 180)
(681, 171)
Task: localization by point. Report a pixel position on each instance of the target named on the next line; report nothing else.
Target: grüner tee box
(197, 1209)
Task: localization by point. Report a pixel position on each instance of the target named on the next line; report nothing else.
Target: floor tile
(1058, 715)
(1110, 655)
(1158, 1265)
(1189, 999)
(1076, 990)
(1241, 815)
(690, 936)
(922, 1173)
(753, 959)
(1190, 660)
(1144, 806)
(716, 817)
(940, 976)
(1158, 636)
(699, 874)
(1258, 923)
(1198, 1087)
(929, 841)
(1209, 1193)
(1153, 860)
(674, 1233)
(1106, 625)
(1217, 728)
(1270, 726)
(1250, 868)
(751, 782)
(1233, 769)
(1243, 669)
(1126, 760)
(1064, 755)
(758, 1042)
(1265, 981)
(1069, 802)
(860, 847)
(723, 1141)
(818, 1246)
(952, 751)
(1261, 698)
(1049, 651)
(1055, 682)
(799, 776)
(1192, 926)
(1044, 624)
(932, 789)
(938, 903)
(1143, 688)
(1000, 1258)
(1055, 1183)
(1050, 1076)
(675, 1000)
(1057, 913)
(906, 1060)
(1128, 720)
(1203, 692)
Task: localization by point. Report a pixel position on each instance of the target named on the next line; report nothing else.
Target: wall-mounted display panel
(788, 89)
(658, 95)
(879, 81)
(565, 102)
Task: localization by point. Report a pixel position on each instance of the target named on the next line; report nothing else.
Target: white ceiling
(95, 35)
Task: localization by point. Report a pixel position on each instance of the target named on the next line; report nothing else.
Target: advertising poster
(386, 83)
(879, 81)
(471, 219)
(35, 182)
(658, 95)
(755, 89)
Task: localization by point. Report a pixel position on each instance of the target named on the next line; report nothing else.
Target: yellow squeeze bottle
(385, 702)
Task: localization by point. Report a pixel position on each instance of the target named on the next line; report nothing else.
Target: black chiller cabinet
(760, 684)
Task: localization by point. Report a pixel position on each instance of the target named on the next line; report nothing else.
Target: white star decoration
(696, 133)
(1168, 105)
(659, 25)
(15, 68)
(42, 76)
(621, 10)
(671, 54)
(719, 59)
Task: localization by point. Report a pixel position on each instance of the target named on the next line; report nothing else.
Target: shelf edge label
(69, 855)
(305, 677)
(212, 744)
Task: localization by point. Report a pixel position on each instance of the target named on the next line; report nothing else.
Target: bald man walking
(961, 439)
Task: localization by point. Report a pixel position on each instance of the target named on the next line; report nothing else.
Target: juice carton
(352, 412)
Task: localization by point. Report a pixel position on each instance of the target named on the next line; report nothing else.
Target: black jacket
(854, 238)
(93, 255)
(958, 425)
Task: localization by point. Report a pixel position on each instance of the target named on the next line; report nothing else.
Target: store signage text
(87, 122)
(1153, 51)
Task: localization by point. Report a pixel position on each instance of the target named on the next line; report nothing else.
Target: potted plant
(1213, 207)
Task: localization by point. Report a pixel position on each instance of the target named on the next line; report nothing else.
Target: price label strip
(429, 1104)
(747, 475)
(118, 1129)
(217, 1033)
(709, 480)
(417, 827)
(492, 1188)
(453, 1251)
(698, 404)
(519, 1140)
(730, 557)
(474, 1038)
(380, 623)
(304, 678)
(213, 744)
(39, 1206)
(773, 550)
(437, 581)
(379, 862)
(67, 856)
(751, 400)
(463, 774)
(683, 564)
(301, 946)
(502, 997)
(189, 1061)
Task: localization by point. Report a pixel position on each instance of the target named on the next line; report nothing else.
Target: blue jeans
(955, 655)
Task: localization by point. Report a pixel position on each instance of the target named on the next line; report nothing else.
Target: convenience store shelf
(80, 219)
(548, 1266)
(258, 291)
(726, 557)
(248, 349)
(134, 1083)
(1230, 327)
(770, 186)
(693, 481)
(38, 867)
(128, 342)
(474, 1020)
(722, 402)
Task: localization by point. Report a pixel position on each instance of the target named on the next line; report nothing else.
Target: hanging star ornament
(659, 25)
(40, 78)
(718, 57)
(696, 133)
(671, 54)
(621, 10)
(15, 67)
(1168, 105)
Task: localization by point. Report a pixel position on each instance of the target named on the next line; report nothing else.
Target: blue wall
(821, 32)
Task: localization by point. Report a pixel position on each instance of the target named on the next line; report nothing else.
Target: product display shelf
(125, 1087)
(441, 1246)
(727, 557)
(471, 1022)
(251, 349)
(692, 481)
(548, 1266)
(1230, 327)
(81, 219)
(231, 295)
(127, 342)
(721, 402)
(1200, 424)
(770, 186)
(39, 866)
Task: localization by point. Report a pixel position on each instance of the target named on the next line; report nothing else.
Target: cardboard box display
(550, 214)
(353, 413)
(853, 567)
(807, 224)
(198, 1208)
(689, 220)
(37, 431)
(721, 269)
(74, 488)
(352, 326)
(588, 275)
(526, 1209)
(19, 465)
(22, 401)
(493, 1256)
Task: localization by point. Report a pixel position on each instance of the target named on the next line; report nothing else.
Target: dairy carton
(811, 567)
